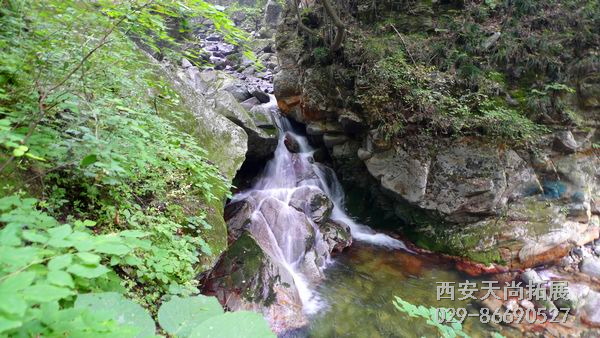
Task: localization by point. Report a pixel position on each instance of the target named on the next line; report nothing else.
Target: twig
(405, 46)
(300, 24)
(341, 28)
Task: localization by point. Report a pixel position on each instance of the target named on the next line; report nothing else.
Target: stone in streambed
(260, 95)
(313, 202)
(247, 278)
(336, 234)
(291, 143)
(331, 140)
(591, 266)
(239, 91)
(590, 314)
(250, 103)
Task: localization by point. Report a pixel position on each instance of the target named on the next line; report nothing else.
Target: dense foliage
(500, 69)
(120, 195)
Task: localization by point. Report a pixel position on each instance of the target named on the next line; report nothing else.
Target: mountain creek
(315, 267)
(302, 168)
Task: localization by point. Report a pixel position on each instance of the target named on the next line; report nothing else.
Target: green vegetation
(101, 191)
(447, 331)
(506, 70)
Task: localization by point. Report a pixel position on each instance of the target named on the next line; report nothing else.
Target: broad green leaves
(57, 261)
(120, 309)
(180, 316)
(198, 316)
(242, 324)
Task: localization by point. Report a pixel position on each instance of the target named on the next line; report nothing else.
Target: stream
(354, 299)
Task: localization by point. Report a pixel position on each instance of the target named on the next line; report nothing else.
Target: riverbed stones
(260, 95)
(590, 266)
(291, 143)
(313, 202)
(260, 143)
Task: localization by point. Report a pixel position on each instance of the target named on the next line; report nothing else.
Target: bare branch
(341, 28)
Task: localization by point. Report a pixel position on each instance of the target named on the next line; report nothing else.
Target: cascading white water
(283, 175)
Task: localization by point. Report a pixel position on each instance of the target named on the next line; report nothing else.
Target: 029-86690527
(517, 316)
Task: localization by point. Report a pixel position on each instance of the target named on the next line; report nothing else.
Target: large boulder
(272, 13)
(247, 278)
(489, 203)
(224, 141)
(313, 202)
(279, 240)
(460, 182)
(261, 144)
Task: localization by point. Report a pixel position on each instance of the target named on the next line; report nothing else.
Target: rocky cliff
(507, 179)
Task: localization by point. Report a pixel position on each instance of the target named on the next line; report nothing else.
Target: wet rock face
(313, 202)
(462, 183)
(264, 234)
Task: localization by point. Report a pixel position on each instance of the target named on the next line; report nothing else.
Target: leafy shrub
(44, 263)
(198, 316)
(88, 128)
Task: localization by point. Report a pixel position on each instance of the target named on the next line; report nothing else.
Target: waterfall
(284, 174)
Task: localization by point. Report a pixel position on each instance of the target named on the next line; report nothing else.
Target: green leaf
(113, 249)
(12, 303)
(60, 232)
(17, 282)
(89, 258)
(122, 310)
(60, 262)
(20, 151)
(180, 316)
(42, 293)
(89, 160)
(8, 324)
(60, 278)
(133, 233)
(34, 236)
(241, 324)
(10, 235)
(87, 272)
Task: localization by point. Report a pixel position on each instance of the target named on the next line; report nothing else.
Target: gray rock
(313, 202)
(401, 173)
(260, 95)
(249, 278)
(291, 143)
(590, 314)
(575, 295)
(260, 143)
(262, 117)
(185, 63)
(250, 103)
(286, 83)
(238, 216)
(491, 41)
(590, 266)
(351, 122)
(336, 234)
(331, 140)
(239, 91)
(272, 13)
(289, 226)
(531, 276)
(565, 142)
